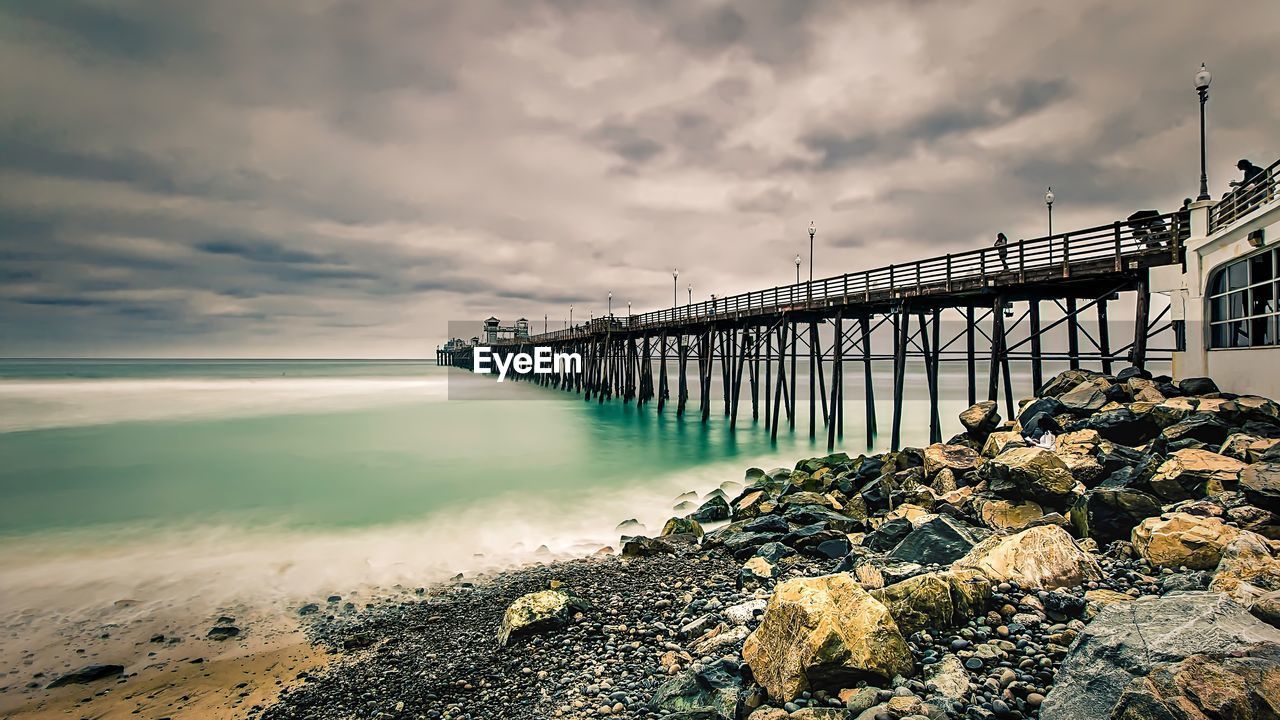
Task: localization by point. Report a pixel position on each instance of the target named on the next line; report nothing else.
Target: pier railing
(1245, 199)
(1101, 248)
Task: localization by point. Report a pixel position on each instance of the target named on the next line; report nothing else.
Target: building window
(1243, 307)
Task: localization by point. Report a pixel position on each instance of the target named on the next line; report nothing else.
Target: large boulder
(956, 458)
(1242, 686)
(1181, 539)
(999, 441)
(537, 612)
(1108, 514)
(940, 540)
(1260, 483)
(1201, 427)
(682, 526)
(980, 419)
(716, 508)
(1066, 380)
(935, 600)
(1032, 473)
(641, 546)
(1127, 640)
(1248, 569)
(1040, 557)
(1245, 447)
(1086, 398)
(824, 633)
(888, 535)
(1124, 426)
(917, 603)
(1198, 386)
(999, 514)
(1190, 473)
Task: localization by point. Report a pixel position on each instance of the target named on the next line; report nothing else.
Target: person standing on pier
(1002, 246)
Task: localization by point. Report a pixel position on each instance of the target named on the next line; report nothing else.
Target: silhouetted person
(1251, 173)
(1183, 224)
(1002, 247)
(1148, 228)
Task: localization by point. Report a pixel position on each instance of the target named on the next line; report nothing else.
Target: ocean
(198, 485)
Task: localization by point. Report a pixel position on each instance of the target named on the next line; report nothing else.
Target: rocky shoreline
(1109, 553)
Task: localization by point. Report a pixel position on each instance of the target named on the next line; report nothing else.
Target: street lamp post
(571, 314)
(674, 274)
(798, 268)
(1048, 202)
(1203, 78)
(610, 303)
(690, 293)
(812, 231)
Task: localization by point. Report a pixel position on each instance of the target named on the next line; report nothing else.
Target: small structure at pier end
(1225, 295)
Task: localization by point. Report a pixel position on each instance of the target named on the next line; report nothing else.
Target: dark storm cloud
(978, 111)
(625, 142)
(294, 178)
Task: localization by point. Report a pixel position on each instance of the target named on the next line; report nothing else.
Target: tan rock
(1101, 598)
(806, 497)
(1087, 439)
(682, 526)
(749, 505)
(1143, 390)
(1248, 569)
(1007, 514)
(906, 511)
(1191, 473)
(998, 442)
(980, 418)
(1031, 473)
(956, 458)
(537, 612)
(949, 678)
(919, 602)
(769, 713)
(1244, 685)
(1041, 557)
(970, 592)
(823, 632)
(1246, 448)
(944, 482)
(1178, 539)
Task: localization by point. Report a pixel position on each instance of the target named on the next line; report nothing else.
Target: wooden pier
(757, 338)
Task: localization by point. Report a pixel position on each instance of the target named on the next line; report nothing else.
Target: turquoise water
(196, 488)
(110, 444)
(209, 483)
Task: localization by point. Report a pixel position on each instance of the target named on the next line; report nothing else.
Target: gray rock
(941, 541)
(717, 508)
(1198, 386)
(1128, 639)
(712, 689)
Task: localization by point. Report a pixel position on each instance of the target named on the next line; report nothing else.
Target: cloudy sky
(342, 178)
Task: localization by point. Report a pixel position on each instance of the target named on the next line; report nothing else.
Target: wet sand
(185, 675)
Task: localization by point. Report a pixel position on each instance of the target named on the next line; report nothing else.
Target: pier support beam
(1037, 372)
(869, 390)
(1104, 336)
(902, 329)
(1141, 325)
